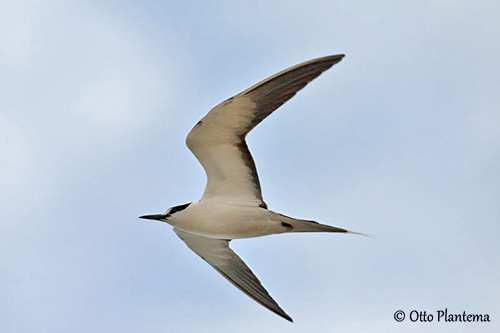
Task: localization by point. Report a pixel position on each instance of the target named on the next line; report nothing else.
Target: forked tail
(296, 225)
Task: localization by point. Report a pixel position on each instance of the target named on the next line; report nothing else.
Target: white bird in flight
(232, 206)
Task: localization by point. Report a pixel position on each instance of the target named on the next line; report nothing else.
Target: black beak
(153, 217)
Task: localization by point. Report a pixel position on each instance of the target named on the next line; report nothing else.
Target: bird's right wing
(217, 253)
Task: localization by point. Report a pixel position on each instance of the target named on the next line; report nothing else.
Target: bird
(232, 206)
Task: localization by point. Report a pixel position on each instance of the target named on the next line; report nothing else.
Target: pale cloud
(124, 84)
(484, 119)
(92, 72)
(19, 30)
(108, 73)
(107, 98)
(15, 156)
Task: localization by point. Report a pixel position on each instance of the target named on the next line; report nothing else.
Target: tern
(232, 206)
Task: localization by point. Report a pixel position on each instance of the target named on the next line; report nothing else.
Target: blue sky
(399, 140)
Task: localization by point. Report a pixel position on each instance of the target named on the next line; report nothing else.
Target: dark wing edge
(217, 253)
(274, 91)
(250, 163)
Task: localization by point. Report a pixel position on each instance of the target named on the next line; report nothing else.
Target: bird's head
(163, 217)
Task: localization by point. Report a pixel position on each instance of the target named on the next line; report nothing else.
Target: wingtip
(333, 57)
(337, 57)
(279, 311)
(283, 315)
(330, 60)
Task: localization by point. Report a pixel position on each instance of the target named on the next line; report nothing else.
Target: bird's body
(226, 220)
(232, 206)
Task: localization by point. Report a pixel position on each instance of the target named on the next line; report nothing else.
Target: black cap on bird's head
(168, 213)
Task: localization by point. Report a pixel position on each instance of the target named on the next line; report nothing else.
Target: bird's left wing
(217, 253)
(218, 140)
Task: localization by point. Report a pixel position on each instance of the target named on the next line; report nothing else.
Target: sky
(399, 140)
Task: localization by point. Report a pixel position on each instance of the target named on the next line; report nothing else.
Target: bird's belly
(229, 222)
